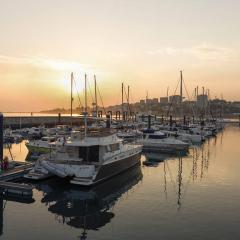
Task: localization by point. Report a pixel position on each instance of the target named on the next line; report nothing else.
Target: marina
(119, 120)
(175, 193)
(83, 168)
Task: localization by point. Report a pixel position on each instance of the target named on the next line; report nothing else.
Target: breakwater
(48, 121)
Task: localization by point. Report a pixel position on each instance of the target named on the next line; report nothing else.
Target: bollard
(184, 120)
(171, 122)
(1, 137)
(59, 118)
(110, 113)
(118, 115)
(100, 114)
(108, 124)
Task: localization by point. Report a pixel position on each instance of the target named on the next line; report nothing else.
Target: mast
(85, 114)
(122, 99)
(147, 102)
(71, 96)
(95, 89)
(181, 86)
(128, 100)
(222, 107)
(180, 170)
(181, 96)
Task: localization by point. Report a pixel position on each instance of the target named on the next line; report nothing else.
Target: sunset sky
(143, 43)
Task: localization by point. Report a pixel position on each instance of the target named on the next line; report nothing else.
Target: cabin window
(89, 154)
(114, 147)
(71, 151)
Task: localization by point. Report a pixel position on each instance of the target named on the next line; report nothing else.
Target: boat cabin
(90, 150)
(151, 134)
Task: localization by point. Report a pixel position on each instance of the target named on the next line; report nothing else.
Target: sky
(143, 43)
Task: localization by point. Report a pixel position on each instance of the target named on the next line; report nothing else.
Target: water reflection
(196, 195)
(154, 158)
(87, 209)
(3, 202)
(181, 171)
(15, 151)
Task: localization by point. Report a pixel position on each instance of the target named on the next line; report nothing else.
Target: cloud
(43, 62)
(204, 51)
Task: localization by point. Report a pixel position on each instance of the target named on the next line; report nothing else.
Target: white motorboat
(91, 159)
(184, 136)
(40, 146)
(157, 141)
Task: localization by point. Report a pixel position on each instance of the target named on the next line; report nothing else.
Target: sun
(65, 84)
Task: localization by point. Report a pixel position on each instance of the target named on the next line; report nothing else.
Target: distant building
(142, 102)
(152, 101)
(148, 101)
(175, 99)
(164, 100)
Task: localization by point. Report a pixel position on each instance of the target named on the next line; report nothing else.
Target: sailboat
(90, 157)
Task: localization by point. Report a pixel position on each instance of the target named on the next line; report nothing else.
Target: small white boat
(40, 146)
(184, 136)
(157, 141)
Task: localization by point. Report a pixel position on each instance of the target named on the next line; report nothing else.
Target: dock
(16, 172)
(16, 189)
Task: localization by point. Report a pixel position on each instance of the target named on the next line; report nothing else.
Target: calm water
(194, 197)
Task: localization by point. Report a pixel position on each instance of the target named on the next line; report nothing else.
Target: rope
(79, 100)
(188, 97)
(101, 100)
(172, 98)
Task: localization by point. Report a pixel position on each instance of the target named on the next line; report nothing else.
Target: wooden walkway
(16, 172)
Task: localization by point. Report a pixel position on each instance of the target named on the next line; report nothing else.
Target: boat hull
(110, 170)
(37, 149)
